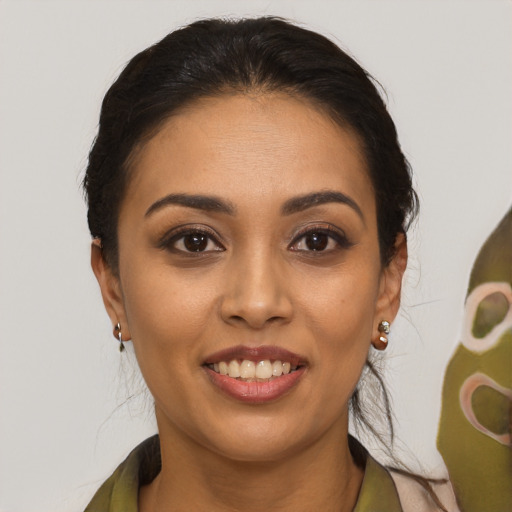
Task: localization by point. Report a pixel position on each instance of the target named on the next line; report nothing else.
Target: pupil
(317, 241)
(196, 243)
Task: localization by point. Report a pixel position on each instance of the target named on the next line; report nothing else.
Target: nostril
(255, 322)
(255, 306)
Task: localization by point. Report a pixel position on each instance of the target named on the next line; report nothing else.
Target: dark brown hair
(216, 56)
(213, 57)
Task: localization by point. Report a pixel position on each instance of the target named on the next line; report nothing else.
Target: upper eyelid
(178, 232)
(335, 233)
(323, 227)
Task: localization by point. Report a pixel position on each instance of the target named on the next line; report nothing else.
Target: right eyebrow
(301, 203)
(198, 202)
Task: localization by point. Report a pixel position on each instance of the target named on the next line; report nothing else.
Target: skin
(257, 283)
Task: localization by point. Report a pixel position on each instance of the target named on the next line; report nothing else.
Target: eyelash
(170, 240)
(332, 233)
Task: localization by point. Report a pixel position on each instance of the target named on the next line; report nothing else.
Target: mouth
(255, 375)
(250, 371)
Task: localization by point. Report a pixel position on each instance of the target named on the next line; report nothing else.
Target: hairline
(128, 167)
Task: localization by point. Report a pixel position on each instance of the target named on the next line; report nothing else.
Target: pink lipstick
(255, 374)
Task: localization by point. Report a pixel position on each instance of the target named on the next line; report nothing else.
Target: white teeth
(264, 369)
(234, 369)
(277, 368)
(247, 369)
(223, 368)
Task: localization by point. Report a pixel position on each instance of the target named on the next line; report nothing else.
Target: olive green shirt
(120, 492)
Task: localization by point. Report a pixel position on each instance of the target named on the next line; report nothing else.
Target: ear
(390, 286)
(110, 287)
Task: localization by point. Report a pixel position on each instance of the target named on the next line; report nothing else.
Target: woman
(248, 202)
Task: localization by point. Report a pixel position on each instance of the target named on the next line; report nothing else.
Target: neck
(322, 476)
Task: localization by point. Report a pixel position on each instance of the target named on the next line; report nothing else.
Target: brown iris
(317, 241)
(195, 242)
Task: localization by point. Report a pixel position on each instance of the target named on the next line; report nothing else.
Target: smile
(255, 375)
(250, 371)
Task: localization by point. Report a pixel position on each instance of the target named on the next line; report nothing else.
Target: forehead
(250, 147)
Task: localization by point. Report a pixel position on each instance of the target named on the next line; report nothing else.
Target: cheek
(168, 319)
(168, 312)
(340, 312)
(343, 301)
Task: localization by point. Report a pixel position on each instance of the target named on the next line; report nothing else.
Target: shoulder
(415, 498)
(389, 490)
(120, 491)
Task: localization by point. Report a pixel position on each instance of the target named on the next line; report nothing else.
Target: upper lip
(256, 354)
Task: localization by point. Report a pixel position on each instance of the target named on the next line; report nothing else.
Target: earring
(117, 329)
(384, 327)
(382, 341)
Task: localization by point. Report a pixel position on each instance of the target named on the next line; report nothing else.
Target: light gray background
(447, 68)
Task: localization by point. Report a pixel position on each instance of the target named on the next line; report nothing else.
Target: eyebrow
(199, 202)
(291, 206)
(301, 203)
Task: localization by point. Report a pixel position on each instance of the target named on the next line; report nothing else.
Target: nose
(256, 293)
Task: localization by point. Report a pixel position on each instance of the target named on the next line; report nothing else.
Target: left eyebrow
(198, 202)
(301, 203)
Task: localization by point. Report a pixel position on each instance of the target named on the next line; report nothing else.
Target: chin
(257, 450)
(261, 440)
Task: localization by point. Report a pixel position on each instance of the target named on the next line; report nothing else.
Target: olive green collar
(120, 492)
(378, 491)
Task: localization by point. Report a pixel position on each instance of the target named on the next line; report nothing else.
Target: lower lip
(256, 392)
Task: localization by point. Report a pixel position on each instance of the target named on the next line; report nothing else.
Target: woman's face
(248, 237)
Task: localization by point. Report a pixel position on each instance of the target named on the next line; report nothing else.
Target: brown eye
(316, 241)
(196, 242)
(320, 240)
(191, 241)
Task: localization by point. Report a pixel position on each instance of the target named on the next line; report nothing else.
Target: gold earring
(117, 329)
(382, 342)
